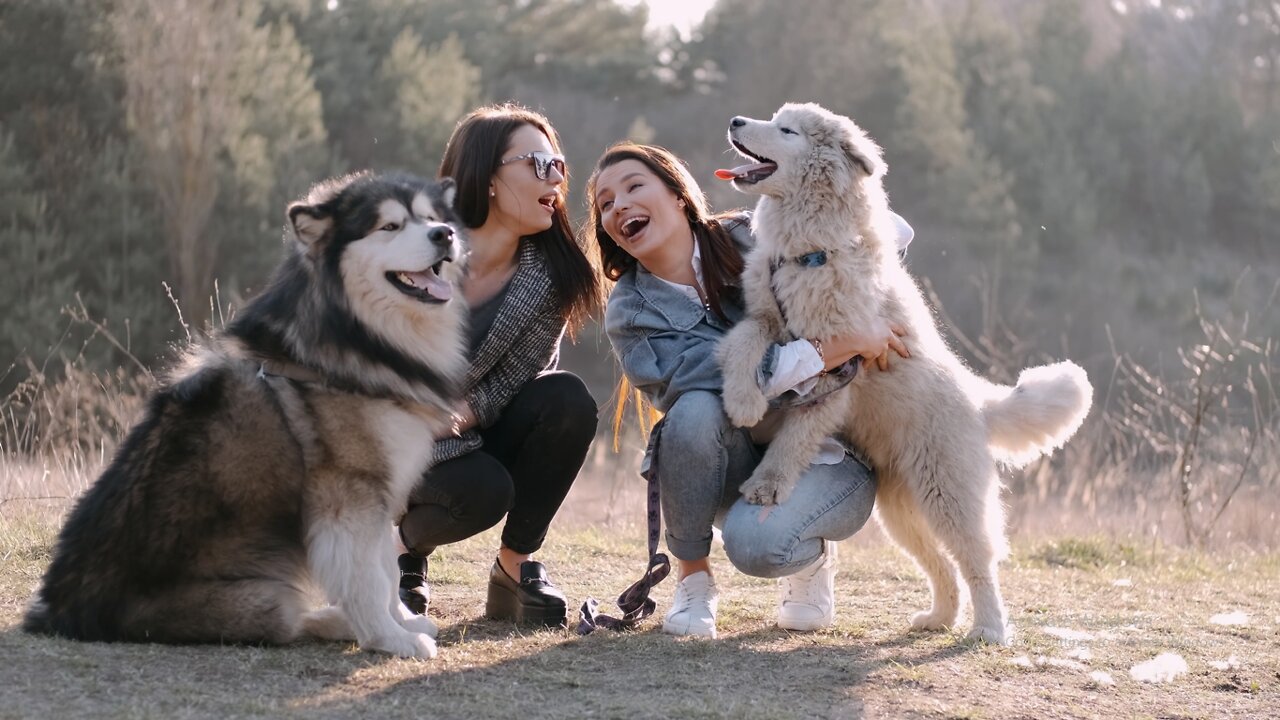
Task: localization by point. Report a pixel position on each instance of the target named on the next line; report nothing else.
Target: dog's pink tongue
(743, 170)
(432, 284)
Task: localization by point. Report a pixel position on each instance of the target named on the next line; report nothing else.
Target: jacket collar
(530, 287)
(677, 308)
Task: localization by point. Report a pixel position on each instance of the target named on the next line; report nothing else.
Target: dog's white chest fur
(407, 440)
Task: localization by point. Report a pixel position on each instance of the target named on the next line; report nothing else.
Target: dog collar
(817, 258)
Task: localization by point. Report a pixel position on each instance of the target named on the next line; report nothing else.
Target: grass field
(1086, 611)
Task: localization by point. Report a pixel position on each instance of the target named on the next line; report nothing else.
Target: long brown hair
(721, 260)
(471, 158)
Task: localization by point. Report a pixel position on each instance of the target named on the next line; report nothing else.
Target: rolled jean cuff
(688, 549)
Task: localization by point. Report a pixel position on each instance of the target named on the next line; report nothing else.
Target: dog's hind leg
(969, 519)
(901, 518)
(347, 554)
(220, 611)
(328, 623)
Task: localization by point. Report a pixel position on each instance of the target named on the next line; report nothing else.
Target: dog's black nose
(737, 122)
(440, 234)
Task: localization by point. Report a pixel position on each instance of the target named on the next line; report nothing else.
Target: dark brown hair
(721, 260)
(471, 158)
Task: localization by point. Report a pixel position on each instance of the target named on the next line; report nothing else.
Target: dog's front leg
(740, 353)
(793, 449)
(347, 550)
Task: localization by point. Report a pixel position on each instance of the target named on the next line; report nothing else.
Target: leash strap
(635, 603)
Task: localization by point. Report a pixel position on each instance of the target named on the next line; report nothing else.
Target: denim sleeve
(664, 365)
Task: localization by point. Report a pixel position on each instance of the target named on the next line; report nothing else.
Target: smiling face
(640, 213)
(391, 239)
(800, 145)
(521, 202)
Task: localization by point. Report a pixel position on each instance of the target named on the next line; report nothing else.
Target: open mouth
(549, 201)
(632, 226)
(749, 174)
(423, 285)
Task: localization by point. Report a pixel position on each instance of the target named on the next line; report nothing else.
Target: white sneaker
(807, 599)
(693, 611)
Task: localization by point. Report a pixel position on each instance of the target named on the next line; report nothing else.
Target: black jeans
(530, 458)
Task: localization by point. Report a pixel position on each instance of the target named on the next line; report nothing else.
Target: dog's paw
(404, 644)
(745, 407)
(930, 620)
(765, 488)
(420, 624)
(992, 635)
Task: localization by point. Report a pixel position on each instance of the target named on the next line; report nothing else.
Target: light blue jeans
(701, 461)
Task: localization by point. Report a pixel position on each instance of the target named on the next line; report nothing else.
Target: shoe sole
(807, 625)
(672, 630)
(503, 605)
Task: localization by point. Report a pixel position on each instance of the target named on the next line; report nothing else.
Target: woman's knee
(567, 401)
(695, 423)
(754, 547)
(458, 499)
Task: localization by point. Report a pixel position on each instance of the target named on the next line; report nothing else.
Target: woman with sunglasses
(676, 271)
(525, 427)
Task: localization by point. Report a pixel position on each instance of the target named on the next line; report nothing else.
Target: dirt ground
(1086, 611)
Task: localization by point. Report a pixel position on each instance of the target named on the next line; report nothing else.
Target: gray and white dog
(278, 455)
(826, 265)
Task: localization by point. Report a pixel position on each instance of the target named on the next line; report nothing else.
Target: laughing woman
(525, 427)
(676, 270)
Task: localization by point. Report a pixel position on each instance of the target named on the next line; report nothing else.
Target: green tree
(37, 259)
(427, 92)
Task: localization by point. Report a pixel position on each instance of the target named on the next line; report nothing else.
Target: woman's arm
(535, 350)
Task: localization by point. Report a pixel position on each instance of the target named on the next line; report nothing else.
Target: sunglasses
(542, 163)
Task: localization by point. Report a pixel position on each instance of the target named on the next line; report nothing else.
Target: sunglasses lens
(542, 164)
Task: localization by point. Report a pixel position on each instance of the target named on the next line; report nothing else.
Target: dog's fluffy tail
(1041, 413)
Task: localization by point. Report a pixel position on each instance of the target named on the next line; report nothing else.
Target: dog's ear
(448, 192)
(861, 151)
(310, 225)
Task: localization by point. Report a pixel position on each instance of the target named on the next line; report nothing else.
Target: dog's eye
(390, 227)
(788, 131)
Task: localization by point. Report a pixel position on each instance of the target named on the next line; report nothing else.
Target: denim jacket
(664, 341)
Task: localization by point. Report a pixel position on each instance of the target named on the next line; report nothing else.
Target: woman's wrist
(817, 346)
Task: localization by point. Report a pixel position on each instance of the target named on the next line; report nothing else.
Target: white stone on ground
(1165, 667)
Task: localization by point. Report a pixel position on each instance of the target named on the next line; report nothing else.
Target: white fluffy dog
(826, 265)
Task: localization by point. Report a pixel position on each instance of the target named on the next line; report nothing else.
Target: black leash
(635, 603)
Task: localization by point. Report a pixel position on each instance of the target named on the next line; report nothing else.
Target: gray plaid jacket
(523, 342)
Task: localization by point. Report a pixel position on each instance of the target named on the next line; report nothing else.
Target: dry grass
(1122, 605)
(1161, 514)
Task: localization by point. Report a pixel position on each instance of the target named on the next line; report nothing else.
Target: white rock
(1102, 678)
(1230, 663)
(1067, 634)
(1165, 667)
(1231, 618)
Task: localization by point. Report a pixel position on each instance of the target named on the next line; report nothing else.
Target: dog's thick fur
(932, 428)
(279, 454)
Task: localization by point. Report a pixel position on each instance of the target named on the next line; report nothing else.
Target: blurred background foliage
(1103, 173)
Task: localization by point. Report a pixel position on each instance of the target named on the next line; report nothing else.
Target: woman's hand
(874, 347)
(464, 418)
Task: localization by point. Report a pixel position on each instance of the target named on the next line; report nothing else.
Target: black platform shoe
(532, 600)
(414, 592)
